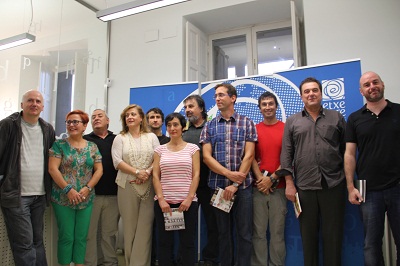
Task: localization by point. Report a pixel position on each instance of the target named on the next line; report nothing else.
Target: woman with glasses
(176, 177)
(75, 166)
(132, 153)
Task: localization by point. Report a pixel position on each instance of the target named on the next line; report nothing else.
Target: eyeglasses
(74, 122)
(220, 95)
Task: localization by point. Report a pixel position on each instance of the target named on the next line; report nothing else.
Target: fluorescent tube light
(133, 7)
(16, 40)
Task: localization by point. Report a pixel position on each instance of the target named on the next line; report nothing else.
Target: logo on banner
(249, 90)
(333, 89)
(333, 95)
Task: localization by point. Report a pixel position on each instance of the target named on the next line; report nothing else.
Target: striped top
(176, 172)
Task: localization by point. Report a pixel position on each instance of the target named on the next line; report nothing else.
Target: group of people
(143, 176)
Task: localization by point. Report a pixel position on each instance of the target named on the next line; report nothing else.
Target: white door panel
(196, 54)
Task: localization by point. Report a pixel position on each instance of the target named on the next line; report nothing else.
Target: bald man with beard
(373, 133)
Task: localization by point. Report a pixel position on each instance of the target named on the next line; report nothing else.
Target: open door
(196, 54)
(296, 35)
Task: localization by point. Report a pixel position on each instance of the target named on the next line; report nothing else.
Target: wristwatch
(137, 171)
(273, 180)
(89, 188)
(236, 185)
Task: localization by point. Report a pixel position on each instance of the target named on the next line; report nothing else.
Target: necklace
(140, 159)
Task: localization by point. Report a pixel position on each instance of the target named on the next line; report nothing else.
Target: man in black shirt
(195, 110)
(374, 131)
(155, 120)
(105, 205)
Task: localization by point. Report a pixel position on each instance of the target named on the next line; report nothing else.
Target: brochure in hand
(176, 221)
(296, 205)
(219, 202)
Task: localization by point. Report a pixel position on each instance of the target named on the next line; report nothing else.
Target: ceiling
(103, 4)
(222, 19)
(16, 15)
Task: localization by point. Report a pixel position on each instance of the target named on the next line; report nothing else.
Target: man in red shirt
(269, 200)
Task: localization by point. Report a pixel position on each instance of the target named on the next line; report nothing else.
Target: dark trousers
(210, 251)
(322, 210)
(238, 221)
(187, 237)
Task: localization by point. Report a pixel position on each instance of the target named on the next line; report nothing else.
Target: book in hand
(219, 202)
(176, 221)
(296, 205)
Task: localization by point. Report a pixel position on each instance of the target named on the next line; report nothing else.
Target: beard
(193, 119)
(376, 98)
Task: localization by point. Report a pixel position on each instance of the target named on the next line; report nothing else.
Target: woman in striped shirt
(176, 173)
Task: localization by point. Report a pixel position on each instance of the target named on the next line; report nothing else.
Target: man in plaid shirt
(228, 150)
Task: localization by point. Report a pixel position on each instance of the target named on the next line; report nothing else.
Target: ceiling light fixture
(16, 40)
(133, 7)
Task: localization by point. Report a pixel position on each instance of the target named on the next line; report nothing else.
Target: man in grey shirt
(196, 113)
(25, 140)
(312, 150)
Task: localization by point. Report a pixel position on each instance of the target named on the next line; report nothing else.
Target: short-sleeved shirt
(378, 143)
(176, 169)
(106, 184)
(228, 140)
(313, 150)
(76, 168)
(192, 135)
(163, 139)
(269, 146)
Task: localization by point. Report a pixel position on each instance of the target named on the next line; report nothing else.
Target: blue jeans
(373, 215)
(241, 216)
(25, 230)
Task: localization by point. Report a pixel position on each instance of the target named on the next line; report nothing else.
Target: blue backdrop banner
(340, 92)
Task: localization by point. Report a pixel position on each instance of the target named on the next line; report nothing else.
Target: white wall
(135, 62)
(334, 31)
(366, 29)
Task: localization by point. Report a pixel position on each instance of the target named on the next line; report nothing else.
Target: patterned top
(76, 168)
(228, 139)
(176, 172)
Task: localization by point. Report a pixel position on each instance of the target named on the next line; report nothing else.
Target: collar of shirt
(95, 136)
(202, 125)
(388, 105)
(233, 117)
(305, 113)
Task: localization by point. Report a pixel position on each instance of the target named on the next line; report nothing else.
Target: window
(257, 50)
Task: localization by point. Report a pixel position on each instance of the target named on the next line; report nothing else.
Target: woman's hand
(185, 205)
(74, 197)
(84, 192)
(142, 177)
(164, 206)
